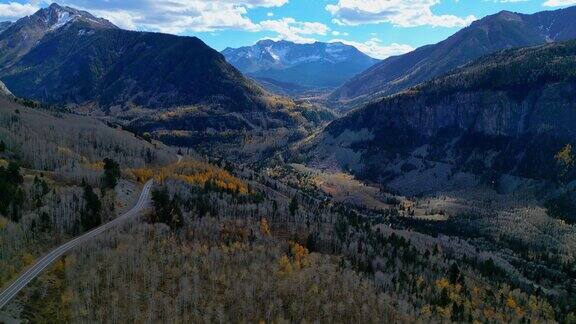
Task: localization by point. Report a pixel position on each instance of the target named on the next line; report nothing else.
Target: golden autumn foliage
(565, 156)
(278, 101)
(264, 227)
(301, 255)
(3, 222)
(442, 283)
(65, 151)
(425, 311)
(142, 174)
(285, 266)
(298, 260)
(195, 173)
(455, 301)
(28, 259)
(96, 166)
(420, 282)
(510, 302)
(66, 298)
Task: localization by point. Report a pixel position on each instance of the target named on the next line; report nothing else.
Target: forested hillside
(483, 154)
(215, 254)
(59, 177)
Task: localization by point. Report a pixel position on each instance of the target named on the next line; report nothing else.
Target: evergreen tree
(17, 203)
(111, 173)
(13, 174)
(176, 219)
(90, 217)
(11, 196)
(45, 222)
(454, 275)
(167, 210)
(293, 206)
(444, 297)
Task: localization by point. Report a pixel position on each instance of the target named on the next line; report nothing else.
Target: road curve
(49, 258)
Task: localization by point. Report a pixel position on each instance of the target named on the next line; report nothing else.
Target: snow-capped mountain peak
(281, 54)
(323, 64)
(56, 16)
(63, 18)
(26, 32)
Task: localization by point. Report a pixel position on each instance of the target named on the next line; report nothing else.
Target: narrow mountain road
(46, 260)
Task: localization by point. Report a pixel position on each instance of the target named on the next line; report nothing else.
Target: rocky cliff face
(509, 113)
(4, 91)
(495, 113)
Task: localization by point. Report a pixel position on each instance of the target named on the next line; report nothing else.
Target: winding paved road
(46, 260)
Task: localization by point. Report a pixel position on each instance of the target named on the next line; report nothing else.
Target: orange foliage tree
(195, 173)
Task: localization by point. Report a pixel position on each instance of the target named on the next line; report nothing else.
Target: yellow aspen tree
(264, 227)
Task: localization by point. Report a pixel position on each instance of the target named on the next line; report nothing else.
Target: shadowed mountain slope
(508, 113)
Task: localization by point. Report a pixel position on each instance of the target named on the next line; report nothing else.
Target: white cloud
(402, 13)
(559, 3)
(176, 16)
(121, 18)
(294, 31)
(15, 10)
(337, 33)
(376, 49)
(509, 1)
(180, 16)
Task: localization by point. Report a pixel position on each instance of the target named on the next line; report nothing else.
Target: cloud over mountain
(402, 13)
(177, 16)
(15, 10)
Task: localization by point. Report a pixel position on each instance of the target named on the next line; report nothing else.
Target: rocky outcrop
(4, 91)
(550, 109)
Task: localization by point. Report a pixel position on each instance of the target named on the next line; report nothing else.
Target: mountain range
(500, 31)
(310, 66)
(64, 56)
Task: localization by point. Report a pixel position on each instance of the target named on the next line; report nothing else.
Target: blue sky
(378, 27)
